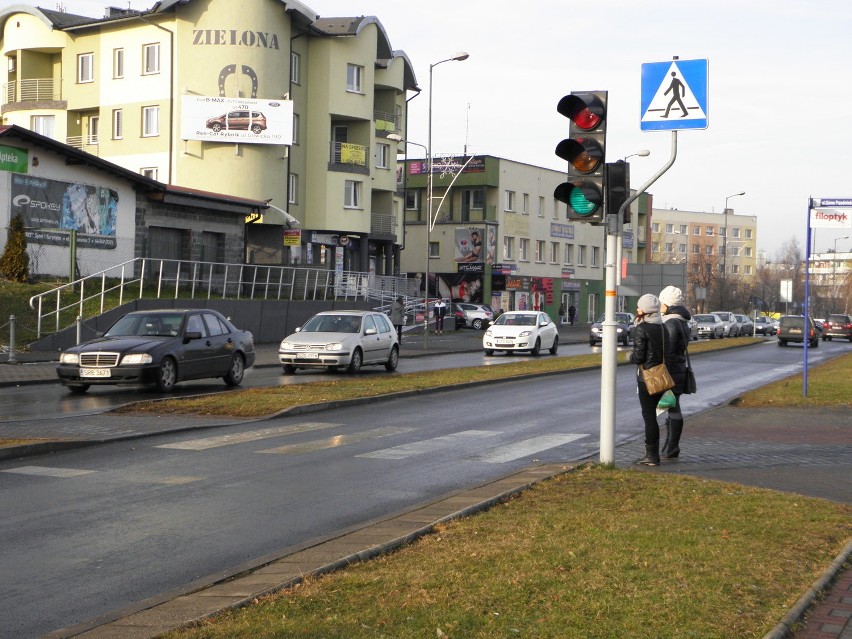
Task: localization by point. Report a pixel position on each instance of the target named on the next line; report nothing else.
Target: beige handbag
(657, 378)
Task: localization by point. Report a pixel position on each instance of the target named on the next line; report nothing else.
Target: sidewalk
(796, 450)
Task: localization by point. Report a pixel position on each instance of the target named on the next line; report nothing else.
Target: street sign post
(674, 95)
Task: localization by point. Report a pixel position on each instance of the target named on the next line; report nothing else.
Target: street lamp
(725, 250)
(642, 154)
(429, 188)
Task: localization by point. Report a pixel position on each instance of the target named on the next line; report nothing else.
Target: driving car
(764, 326)
(253, 121)
(160, 348)
(746, 326)
(623, 329)
(729, 323)
(477, 316)
(837, 325)
(333, 339)
(709, 325)
(521, 331)
(792, 329)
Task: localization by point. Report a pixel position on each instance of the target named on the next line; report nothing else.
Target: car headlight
(286, 346)
(337, 346)
(525, 334)
(134, 359)
(595, 329)
(69, 358)
(488, 333)
(619, 330)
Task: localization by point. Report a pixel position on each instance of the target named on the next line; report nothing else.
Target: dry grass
(828, 386)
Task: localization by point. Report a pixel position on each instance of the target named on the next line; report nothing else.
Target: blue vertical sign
(674, 95)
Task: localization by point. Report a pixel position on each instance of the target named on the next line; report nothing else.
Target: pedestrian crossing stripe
(528, 447)
(45, 471)
(216, 441)
(674, 95)
(430, 445)
(337, 441)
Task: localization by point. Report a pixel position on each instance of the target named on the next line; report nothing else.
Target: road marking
(430, 445)
(240, 438)
(45, 471)
(528, 447)
(336, 441)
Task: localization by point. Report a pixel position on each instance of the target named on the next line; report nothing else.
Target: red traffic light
(585, 109)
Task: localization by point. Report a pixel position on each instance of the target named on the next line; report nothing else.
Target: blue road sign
(674, 95)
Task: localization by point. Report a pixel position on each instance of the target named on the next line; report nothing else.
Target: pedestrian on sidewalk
(647, 352)
(439, 310)
(562, 313)
(572, 312)
(397, 316)
(676, 321)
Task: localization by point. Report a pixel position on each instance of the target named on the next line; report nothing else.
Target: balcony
(352, 158)
(387, 122)
(35, 90)
(86, 143)
(383, 224)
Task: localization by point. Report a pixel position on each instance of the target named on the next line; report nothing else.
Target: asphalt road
(90, 531)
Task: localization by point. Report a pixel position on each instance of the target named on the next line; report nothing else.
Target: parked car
(709, 325)
(764, 326)
(792, 329)
(521, 331)
(729, 322)
(332, 339)
(160, 348)
(746, 326)
(477, 316)
(838, 325)
(253, 121)
(623, 329)
(693, 329)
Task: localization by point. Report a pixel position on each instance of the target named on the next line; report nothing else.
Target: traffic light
(584, 151)
(617, 188)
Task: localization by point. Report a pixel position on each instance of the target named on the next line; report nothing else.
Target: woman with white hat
(676, 320)
(647, 352)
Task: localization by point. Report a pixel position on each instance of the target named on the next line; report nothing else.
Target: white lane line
(528, 447)
(336, 441)
(430, 445)
(45, 471)
(240, 438)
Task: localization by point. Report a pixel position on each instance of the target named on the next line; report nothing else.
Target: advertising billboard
(236, 120)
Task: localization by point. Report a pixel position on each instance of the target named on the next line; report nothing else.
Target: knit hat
(671, 296)
(649, 304)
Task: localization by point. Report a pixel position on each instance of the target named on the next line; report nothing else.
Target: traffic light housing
(585, 152)
(617, 188)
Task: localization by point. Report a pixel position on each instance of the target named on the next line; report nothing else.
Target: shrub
(15, 263)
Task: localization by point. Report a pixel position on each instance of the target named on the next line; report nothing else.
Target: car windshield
(159, 325)
(704, 318)
(516, 320)
(621, 318)
(333, 324)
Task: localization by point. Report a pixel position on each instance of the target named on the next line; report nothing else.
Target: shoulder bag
(690, 376)
(657, 378)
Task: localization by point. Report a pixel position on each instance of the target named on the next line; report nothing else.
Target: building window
(295, 68)
(86, 67)
(683, 229)
(696, 249)
(735, 232)
(510, 201)
(669, 228)
(150, 59)
(748, 251)
(539, 250)
(722, 231)
(655, 227)
(149, 172)
(94, 125)
(708, 249)
(382, 155)
(354, 75)
(748, 234)
(569, 254)
(735, 268)
(118, 63)
(150, 121)
(434, 249)
(117, 124)
(541, 207)
(709, 232)
(525, 199)
(295, 128)
(292, 189)
(681, 248)
(412, 200)
(596, 251)
(669, 247)
(43, 124)
(747, 269)
(696, 230)
(352, 195)
(508, 248)
(655, 247)
(581, 255)
(524, 249)
(554, 252)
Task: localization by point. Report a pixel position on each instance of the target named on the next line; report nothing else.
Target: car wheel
(78, 389)
(256, 129)
(355, 362)
(167, 375)
(815, 343)
(216, 127)
(393, 360)
(477, 324)
(781, 342)
(536, 350)
(555, 346)
(289, 369)
(625, 342)
(488, 353)
(236, 371)
(592, 342)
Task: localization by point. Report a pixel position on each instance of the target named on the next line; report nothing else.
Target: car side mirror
(191, 335)
(99, 333)
(370, 331)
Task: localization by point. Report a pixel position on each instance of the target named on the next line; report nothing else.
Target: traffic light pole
(609, 344)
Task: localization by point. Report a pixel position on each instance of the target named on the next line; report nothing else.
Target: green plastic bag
(668, 400)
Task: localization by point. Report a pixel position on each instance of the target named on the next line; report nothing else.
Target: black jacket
(678, 333)
(647, 345)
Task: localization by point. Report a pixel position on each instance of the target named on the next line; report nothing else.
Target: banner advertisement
(236, 120)
(292, 237)
(831, 213)
(468, 244)
(52, 208)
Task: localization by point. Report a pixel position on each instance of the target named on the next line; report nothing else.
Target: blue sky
(779, 97)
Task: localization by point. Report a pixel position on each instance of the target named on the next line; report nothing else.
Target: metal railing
(383, 224)
(87, 143)
(37, 89)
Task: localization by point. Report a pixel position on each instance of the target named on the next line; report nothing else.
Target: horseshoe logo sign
(231, 69)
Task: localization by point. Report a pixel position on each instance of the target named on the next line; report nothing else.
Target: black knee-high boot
(672, 448)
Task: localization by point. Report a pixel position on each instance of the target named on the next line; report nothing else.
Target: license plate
(95, 372)
(307, 356)
(505, 344)
(796, 330)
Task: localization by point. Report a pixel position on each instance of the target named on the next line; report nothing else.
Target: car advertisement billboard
(236, 120)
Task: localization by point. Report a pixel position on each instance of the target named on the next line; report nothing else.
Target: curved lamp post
(725, 251)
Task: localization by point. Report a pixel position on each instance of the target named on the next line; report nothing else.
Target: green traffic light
(578, 201)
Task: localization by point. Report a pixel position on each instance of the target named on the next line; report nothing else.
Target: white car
(332, 339)
(521, 331)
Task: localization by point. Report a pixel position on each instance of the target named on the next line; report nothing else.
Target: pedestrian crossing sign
(674, 95)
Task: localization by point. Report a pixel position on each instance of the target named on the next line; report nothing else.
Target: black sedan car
(623, 331)
(160, 348)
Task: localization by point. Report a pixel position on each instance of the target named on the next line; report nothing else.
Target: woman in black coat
(676, 321)
(648, 352)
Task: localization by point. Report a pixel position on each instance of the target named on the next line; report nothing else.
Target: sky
(779, 95)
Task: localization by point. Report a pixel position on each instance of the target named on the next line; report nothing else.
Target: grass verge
(597, 552)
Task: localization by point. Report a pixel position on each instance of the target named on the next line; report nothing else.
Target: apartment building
(261, 99)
